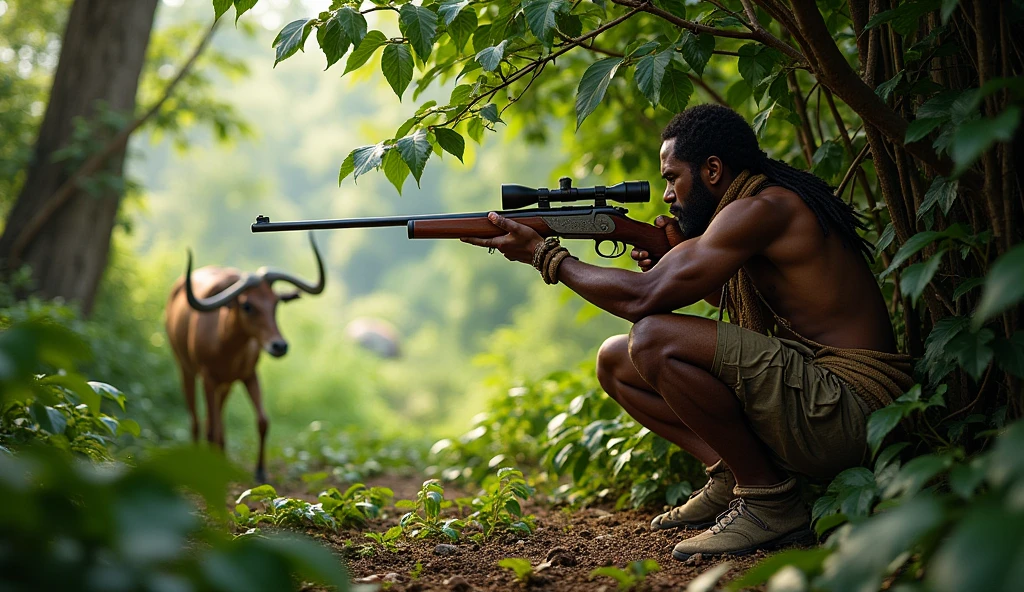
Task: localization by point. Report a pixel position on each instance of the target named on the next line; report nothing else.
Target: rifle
(599, 221)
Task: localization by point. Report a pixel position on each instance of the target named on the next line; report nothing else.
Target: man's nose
(669, 197)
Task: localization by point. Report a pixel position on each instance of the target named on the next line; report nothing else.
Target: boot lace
(737, 508)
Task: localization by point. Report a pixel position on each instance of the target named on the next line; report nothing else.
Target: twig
(853, 168)
(70, 187)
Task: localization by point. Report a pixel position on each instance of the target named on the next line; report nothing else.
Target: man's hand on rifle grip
(518, 244)
(672, 232)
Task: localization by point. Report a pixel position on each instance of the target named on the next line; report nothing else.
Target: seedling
(630, 578)
(386, 540)
(417, 570)
(279, 511)
(499, 510)
(424, 520)
(522, 568)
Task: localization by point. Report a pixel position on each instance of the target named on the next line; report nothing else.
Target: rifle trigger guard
(618, 249)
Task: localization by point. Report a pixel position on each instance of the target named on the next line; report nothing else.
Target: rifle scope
(514, 197)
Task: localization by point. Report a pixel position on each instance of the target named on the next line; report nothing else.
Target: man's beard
(700, 208)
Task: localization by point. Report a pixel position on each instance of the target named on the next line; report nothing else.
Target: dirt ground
(565, 548)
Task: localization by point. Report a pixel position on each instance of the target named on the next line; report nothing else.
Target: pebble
(696, 559)
(445, 549)
(458, 584)
(392, 577)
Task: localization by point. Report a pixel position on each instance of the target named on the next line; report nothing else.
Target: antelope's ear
(289, 296)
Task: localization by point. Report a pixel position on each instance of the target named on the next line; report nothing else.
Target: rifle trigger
(617, 250)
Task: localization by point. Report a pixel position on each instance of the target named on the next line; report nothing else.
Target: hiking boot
(704, 504)
(760, 518)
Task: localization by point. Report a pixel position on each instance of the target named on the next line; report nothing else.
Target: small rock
(604, 536)
(560, 556)
(520, 543)
(607, 518)
(458, 584)
(391, 577)
(370, 579)
(445, 549)
(542, 566)
(586, 534)
(601, 513)
(640, 530)
(696, 559)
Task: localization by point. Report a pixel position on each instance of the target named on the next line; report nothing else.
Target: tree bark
(102, 55)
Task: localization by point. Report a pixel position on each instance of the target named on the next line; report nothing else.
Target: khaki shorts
(813, 422)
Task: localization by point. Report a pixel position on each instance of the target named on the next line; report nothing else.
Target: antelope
(218, 320)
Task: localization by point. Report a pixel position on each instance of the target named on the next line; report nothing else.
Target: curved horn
(270, 276)
(217, 300)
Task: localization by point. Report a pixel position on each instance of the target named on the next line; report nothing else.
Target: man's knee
(612, 354)
(648, 344)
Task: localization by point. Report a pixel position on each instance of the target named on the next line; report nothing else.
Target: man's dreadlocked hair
(713, 130)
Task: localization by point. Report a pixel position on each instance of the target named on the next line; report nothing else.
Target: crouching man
(786, 386)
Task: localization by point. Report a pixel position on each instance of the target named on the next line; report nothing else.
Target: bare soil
(565, 548)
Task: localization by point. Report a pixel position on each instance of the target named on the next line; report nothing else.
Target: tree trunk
(101, 58)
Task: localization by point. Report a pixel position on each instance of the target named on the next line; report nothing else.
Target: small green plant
(521, 567)
(356, 505)
(417, 570)
(499, 510)
(279, 511)
(387, 541)
(630, 578)
(424, 518)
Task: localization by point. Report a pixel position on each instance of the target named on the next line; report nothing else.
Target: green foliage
(521, 567)
(630, 578)
(334, 509)
(498, 509)
(424, 519)
(388, 541)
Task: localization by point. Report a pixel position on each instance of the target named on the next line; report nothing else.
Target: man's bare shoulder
(767, 211)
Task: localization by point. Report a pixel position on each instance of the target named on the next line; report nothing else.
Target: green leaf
(806, 560)
(912, 246)
(522, 567)
(347, 167)
(828, 160)
(291, 38)
(450, 9)
(905, 17)
(880, 423)
(220, 7)
(333, 40)
(916, 277)
(676, 89)
(490, 57)
(451, 141)
(993, 538)
(592, 87)
(921, 127)
(1003, 286)
(462, 28)
(761, 120)
(366, 158)
(697, 50)
(419, 25)
(755, 63)
(352, 22)
(540, 16)
(650, 71)
(241, 7)
(972, 351)
(942, 192)
(475, 129)
(203, 470)
(48, 418)
(975, 137)
(490, 113)
(966, 286)
(916, 473)
(395, 169)
(364, 51)
(674, 7)
(885, 90)
(415, 150)
(867, 553)
(570, 25)
(396, 63)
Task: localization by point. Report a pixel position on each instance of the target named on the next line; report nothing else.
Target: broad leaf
(220, 7)
(490, 57)
(333, 40)
(697, 50)
(676, 89)
(828, 160)
(241, 7)
(905, 17)
(942, 193)
(972, 351)
(395, 169)
(916, 474)
(909, 248)
(419, 25)
(885, 239)
(593, 85)
(540, 16)
(291, 38)
(880, 423)
(353, 23)
(885, 90)
(451, 141)
(415, 150)
(462, 28)
(992, 536)
(396, 63)
(490, 113)
(921, 127)
(362, 54)
(569, 24)
(974, 137)
(761, 120)
(450, 9)
(966, 286)
(1004, 286)
(650, 71)
(366, 158)
(756, 61)
(916, 277)
(347, 167)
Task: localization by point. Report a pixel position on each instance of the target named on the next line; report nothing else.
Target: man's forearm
(617, 291)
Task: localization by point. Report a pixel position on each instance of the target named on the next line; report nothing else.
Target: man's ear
(715, 171)
(289, 296)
